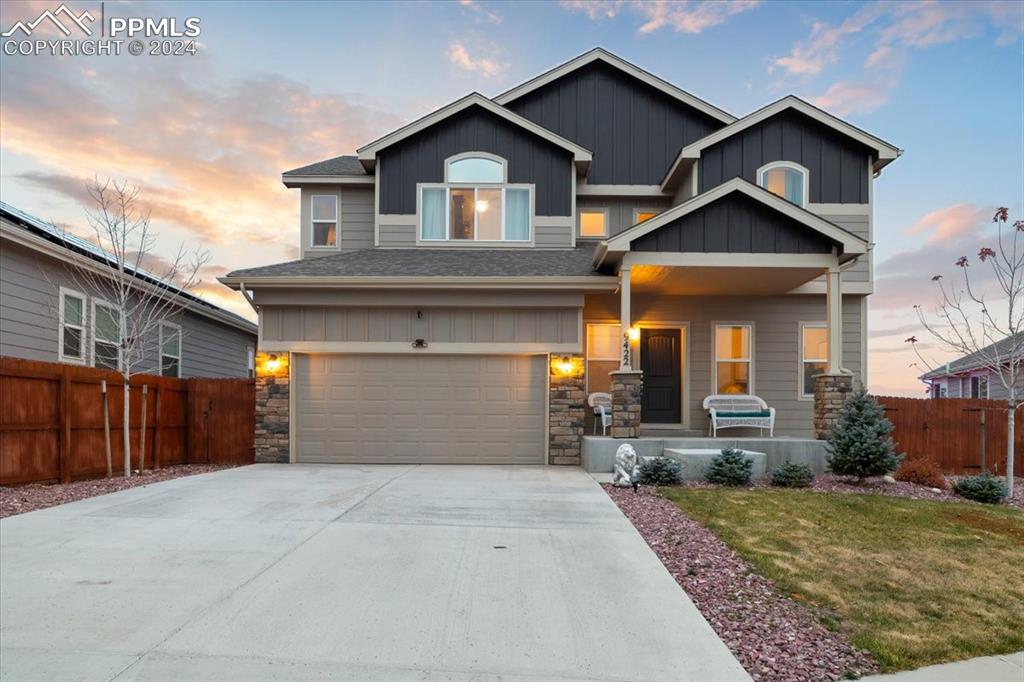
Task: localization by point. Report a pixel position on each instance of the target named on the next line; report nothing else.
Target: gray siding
(420, 158)
(355, 208)
(634, 130)
(29, 304)
(437, 325)
(734, 224)
(621, 209)
(838, 166)
(776, 344)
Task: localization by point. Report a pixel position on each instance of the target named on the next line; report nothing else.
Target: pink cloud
(459, 55)
(950, 223)
(682, 16)
(850, 97)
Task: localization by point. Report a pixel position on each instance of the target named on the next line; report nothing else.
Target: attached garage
(420, 408)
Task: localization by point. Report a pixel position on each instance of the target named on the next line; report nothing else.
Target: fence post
(106, 427)
(64, 449)
(157, 429)
(984, 467)
(142, 430)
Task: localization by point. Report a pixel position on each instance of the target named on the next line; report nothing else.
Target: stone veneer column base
(627, 390)
(566, 410)
(830, 392)
(272, 418)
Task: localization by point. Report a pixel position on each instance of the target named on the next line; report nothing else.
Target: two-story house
(468, 279)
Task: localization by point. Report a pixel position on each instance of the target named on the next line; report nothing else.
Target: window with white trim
(323, 213)
(733, 359)
(106, 335)
(604, 346)
(250, 362)
(813, 354)
(787, 179)
(979, 387)
(593, 222)
(71, 344)
(641, 215)
(475, 203)
(170, 350)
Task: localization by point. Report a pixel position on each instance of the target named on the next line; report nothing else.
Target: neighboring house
(452, 269)
(970, 376)
(46, 315)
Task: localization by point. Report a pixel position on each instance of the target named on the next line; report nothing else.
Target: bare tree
(966, 323)
(141, 290)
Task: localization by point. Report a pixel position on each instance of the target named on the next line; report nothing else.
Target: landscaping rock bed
(25, 498)
(773, 637)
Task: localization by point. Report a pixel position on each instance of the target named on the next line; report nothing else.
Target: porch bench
(731, 411)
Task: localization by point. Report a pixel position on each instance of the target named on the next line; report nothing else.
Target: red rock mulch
(25, 498)
(772, 636)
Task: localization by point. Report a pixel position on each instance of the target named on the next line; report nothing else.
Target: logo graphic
(27, 28)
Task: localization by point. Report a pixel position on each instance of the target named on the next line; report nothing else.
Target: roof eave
(293, 181)
(582, 283)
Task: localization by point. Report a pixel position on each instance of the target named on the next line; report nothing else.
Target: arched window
(787, 179)
(475, 167)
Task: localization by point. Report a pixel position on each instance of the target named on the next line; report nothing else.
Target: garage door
(434, 409)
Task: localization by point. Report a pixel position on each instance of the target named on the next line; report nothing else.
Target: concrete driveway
(292, 572)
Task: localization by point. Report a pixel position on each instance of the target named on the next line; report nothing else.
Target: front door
(659, 360)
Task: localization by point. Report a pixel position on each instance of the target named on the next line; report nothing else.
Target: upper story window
(593, 222)
(643, 215)
(475, 203)
(323, 212)
(787, 179)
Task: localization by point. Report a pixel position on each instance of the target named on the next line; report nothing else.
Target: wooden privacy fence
(51, 421)
(949, 430)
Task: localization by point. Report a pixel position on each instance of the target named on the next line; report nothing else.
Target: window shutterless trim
(589, 356)
(593, 209)
(447, 187)
(93, 337)
(313, 221)
(61, 324)
(805, 175)
(161, 354)
(714, 355)
(477, 155)
(801, 326)
(637, 210)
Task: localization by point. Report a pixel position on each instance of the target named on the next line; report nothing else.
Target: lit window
(788, 180)
(106, 336)
(323, 209)
(732, 359)
(475, 204)
(594, 223)
(813, 354)
(604, 347)
(170, 350)
(250, 362)
(72, 326)
(643, 216)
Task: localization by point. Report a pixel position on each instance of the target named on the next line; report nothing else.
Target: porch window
(475, 203)
(733, 361)
(106, 336)
(787, 179)
(604, 344)
(813, 355)
(323, 210)
(72, 327)
(170, 350)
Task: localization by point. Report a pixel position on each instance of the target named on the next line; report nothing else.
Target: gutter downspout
(248, 297)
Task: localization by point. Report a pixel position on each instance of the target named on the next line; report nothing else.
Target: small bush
(922, 471)
(661, 471)
(731, 467)
(792, 475)
(984, 488)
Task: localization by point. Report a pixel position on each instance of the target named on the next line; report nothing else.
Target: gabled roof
(885, 151)
(600, 54)
(49, 237)
(852, 245)
(345, 170)
(1004, 348)
(368, 154)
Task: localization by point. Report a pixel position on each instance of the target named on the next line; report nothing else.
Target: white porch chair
(731, 411)
(601, 404)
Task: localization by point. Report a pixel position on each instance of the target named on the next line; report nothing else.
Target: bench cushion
(755, 413)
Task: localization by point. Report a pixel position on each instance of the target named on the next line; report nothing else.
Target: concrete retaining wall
(599, 451)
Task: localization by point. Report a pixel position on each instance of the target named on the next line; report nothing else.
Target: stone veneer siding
(272, 418)
(565, 411)
(627, 390)
(830, 392)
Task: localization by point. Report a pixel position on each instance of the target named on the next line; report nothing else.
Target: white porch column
(834, 315)
(625, 322)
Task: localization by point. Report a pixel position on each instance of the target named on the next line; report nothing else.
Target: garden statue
(627, 467)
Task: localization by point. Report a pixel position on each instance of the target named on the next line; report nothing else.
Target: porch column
(834, 312)
(625, 322)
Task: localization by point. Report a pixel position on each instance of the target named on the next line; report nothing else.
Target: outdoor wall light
(564, 365)
(273, 364)
(634, 333)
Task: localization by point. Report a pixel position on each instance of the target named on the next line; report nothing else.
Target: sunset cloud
(681, 16)
(850, 97)
(459, 55)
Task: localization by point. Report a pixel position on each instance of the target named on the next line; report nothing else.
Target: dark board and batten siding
(838, 166)
(420, 158)
(634, 131)
(733, 224)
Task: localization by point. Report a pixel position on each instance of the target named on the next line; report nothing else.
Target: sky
(273, 86)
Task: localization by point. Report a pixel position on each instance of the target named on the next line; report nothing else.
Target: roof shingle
(339, 165)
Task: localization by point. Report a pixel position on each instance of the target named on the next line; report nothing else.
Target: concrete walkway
(1008, 668)
(290, 572)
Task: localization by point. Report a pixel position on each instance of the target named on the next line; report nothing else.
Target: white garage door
(436, 409)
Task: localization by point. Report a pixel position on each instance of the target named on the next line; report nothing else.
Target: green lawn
(913, 582)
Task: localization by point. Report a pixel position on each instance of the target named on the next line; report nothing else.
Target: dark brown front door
(659, 360)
